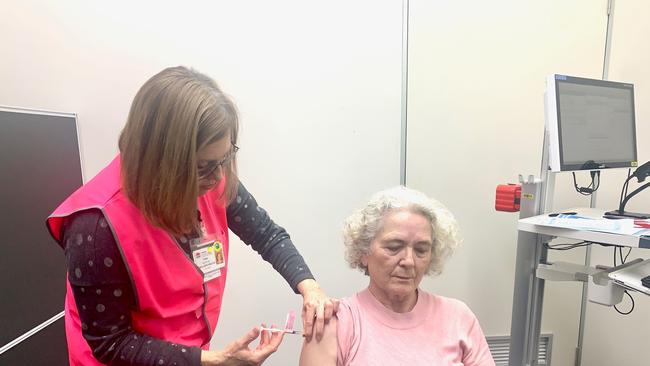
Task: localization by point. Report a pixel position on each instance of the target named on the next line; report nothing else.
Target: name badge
(208, 255)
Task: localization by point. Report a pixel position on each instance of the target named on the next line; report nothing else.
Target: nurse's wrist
(307, 285)
(212, 358)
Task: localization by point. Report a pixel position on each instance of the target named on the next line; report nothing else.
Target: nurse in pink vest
(146, 240)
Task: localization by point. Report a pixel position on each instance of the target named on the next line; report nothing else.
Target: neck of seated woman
(397, 302)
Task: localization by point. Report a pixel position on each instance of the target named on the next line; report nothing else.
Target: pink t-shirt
(438, 331)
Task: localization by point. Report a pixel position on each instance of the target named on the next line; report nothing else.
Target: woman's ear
(364, 260)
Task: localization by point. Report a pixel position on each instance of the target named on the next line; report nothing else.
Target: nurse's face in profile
(212, 159)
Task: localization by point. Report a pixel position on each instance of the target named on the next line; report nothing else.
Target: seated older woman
(400, 236)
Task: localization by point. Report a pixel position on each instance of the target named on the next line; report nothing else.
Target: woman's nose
(408, 259)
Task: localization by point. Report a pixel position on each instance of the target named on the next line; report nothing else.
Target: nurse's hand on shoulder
(239, 354)
(317, 308)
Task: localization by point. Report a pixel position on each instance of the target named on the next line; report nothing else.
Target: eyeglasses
(209, 169)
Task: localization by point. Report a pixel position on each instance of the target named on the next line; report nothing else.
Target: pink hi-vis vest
(173, 303)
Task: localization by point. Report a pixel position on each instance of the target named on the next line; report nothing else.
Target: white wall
(476, 81)
(476, 117)
(318, 87)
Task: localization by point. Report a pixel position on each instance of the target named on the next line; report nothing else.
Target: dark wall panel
(39, 166)
(45, 348)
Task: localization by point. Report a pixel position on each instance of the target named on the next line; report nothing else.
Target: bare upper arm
(323, 353)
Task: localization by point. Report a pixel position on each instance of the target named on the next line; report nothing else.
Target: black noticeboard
(40, 166)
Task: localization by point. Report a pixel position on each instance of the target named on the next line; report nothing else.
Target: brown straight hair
(174, 114)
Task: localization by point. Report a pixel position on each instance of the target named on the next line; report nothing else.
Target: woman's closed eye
(422, 251)
(393, 248)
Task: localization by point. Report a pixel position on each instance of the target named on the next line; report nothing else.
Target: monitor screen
(593, 122)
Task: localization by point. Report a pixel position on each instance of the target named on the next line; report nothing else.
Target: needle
(286, 331)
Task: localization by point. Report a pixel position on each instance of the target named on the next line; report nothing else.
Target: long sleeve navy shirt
(104, 295)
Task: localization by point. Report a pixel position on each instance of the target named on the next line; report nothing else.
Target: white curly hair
(360, 228)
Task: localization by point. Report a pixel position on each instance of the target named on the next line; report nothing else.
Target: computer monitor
(591, 124)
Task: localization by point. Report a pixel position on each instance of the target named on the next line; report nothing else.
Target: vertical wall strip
(608, 38)
(405, 81)
(592, 203)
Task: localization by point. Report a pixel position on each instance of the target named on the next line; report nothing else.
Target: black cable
(567, 246)
(598, 180)
(624, 190)
(592, 187)
(631, 309)
(628, 254)
(620, 253)
(629, 174)
(581, 190)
